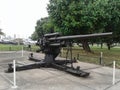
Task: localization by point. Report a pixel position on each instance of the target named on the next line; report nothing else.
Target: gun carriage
(51, 45)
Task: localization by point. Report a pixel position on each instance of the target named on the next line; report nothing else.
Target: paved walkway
(51, 79)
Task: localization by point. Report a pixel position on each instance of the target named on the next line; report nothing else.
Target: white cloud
(19, 16)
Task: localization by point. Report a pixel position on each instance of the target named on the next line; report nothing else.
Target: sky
(18, 17)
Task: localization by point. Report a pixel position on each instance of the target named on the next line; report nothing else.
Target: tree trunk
(85, 45)
(108, 45)
(101, 45)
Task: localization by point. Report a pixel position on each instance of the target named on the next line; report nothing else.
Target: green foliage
(85, 16)
(1, 33)
(81, 17)
(43, 26)
(39, 26)
(34, 36)
(71, 17)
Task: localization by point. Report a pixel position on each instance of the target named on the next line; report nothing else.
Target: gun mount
(51, 44)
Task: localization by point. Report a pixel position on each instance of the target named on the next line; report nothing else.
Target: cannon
(51, 44)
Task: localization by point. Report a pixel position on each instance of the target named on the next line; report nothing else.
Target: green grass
(108, 55)
(8, 47)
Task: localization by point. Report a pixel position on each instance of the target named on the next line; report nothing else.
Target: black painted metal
(80, 36)
(51, 44)
(25, 67)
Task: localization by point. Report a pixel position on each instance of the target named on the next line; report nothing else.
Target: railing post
(14, 75)
(78, 56)
(22, 51)
(113, 81)
(101, 56)
(62, 52)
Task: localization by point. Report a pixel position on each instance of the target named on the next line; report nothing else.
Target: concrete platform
(52, 79)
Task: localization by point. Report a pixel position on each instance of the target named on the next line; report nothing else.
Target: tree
(82, 17)
(43, 26)
(108, 19)
(72, 17)
(1, 33)
(34, 36)
(86, 16)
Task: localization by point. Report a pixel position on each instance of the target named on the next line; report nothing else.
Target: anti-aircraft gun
(51, 45)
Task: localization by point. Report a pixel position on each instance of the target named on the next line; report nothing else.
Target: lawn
(8, 47)
(108, 55)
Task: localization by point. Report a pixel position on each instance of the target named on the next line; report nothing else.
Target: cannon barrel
(80, 36)
(52, 34)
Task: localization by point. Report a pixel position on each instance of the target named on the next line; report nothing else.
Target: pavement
(52, 79)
